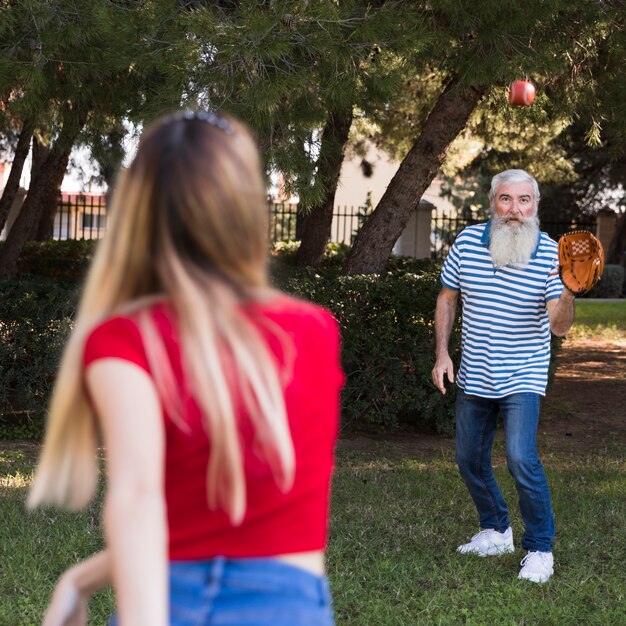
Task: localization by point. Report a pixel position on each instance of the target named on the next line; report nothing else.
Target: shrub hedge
(35, 319)
(611, 284)
(387, 338)
(56, 259)
(386, 322)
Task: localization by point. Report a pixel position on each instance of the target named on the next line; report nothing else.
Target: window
(94, 221)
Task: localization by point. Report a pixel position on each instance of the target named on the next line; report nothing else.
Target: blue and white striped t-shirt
(506, 331)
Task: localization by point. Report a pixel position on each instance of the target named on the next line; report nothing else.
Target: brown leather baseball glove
(581, 261)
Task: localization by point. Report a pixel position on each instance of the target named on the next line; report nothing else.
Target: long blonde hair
(189, 224)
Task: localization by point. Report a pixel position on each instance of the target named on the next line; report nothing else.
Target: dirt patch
(585, 407)
(409, 444)
(584, 412)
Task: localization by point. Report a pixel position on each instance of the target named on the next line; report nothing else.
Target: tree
(318, 221)
(479, 51)
(49, 177)
(297, 72)
(380, 231)
(13, 182)
(65, 68)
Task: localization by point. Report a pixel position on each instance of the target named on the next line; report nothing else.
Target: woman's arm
(130, 417)
(68, 605)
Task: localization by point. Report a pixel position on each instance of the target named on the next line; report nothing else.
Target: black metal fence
(556, 227)
(445, 228)
(84, 216)
(80, 216)
(286, 223)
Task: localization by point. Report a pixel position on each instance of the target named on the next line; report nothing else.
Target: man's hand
(581, 261)
(445, 314)
(443, 366)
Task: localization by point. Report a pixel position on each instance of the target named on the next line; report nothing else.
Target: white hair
(513, 176)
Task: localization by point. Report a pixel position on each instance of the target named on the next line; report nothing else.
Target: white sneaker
(489, 542)
(537, 567)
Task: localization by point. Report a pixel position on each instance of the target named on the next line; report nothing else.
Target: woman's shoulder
(293, 311)
(115, 337)
(119, 335)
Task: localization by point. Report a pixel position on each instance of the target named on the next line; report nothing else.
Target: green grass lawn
(599, 320)
(395, 524)
(397, 516)
(35, 548)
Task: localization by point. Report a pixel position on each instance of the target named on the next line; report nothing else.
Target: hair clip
(209, 117)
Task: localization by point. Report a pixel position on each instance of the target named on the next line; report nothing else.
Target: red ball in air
(521, 93)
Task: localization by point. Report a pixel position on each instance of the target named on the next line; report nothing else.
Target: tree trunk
(40, 154)
(38, 188)
(33, 204)
(17, 166)
(50, 199)
(317, 224)
(41, 151)
(44, 229)
(376, 238)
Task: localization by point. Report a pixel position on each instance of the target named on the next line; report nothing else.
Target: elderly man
(512, 298)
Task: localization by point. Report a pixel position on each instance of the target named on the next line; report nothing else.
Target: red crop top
(275, 523)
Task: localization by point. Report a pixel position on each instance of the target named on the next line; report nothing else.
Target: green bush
(36, 310)
(611, 283)
(35, 320)
(387, 340)
(386, 321)
(57, 259)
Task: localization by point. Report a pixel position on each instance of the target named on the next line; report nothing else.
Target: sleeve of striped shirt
(451, 268)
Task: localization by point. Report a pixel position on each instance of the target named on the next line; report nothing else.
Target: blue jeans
(246, 592)
(476, 420)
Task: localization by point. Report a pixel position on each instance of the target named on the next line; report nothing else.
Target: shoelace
(540, 555)
(482, 532)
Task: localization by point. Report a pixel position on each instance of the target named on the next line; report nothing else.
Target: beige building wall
(353, 190)
(354, 186)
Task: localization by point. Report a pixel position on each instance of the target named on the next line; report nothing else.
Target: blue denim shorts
(246, 592)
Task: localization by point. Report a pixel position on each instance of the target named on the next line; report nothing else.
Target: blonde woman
(216, 399)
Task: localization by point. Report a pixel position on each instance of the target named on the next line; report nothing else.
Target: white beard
(513, 242)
